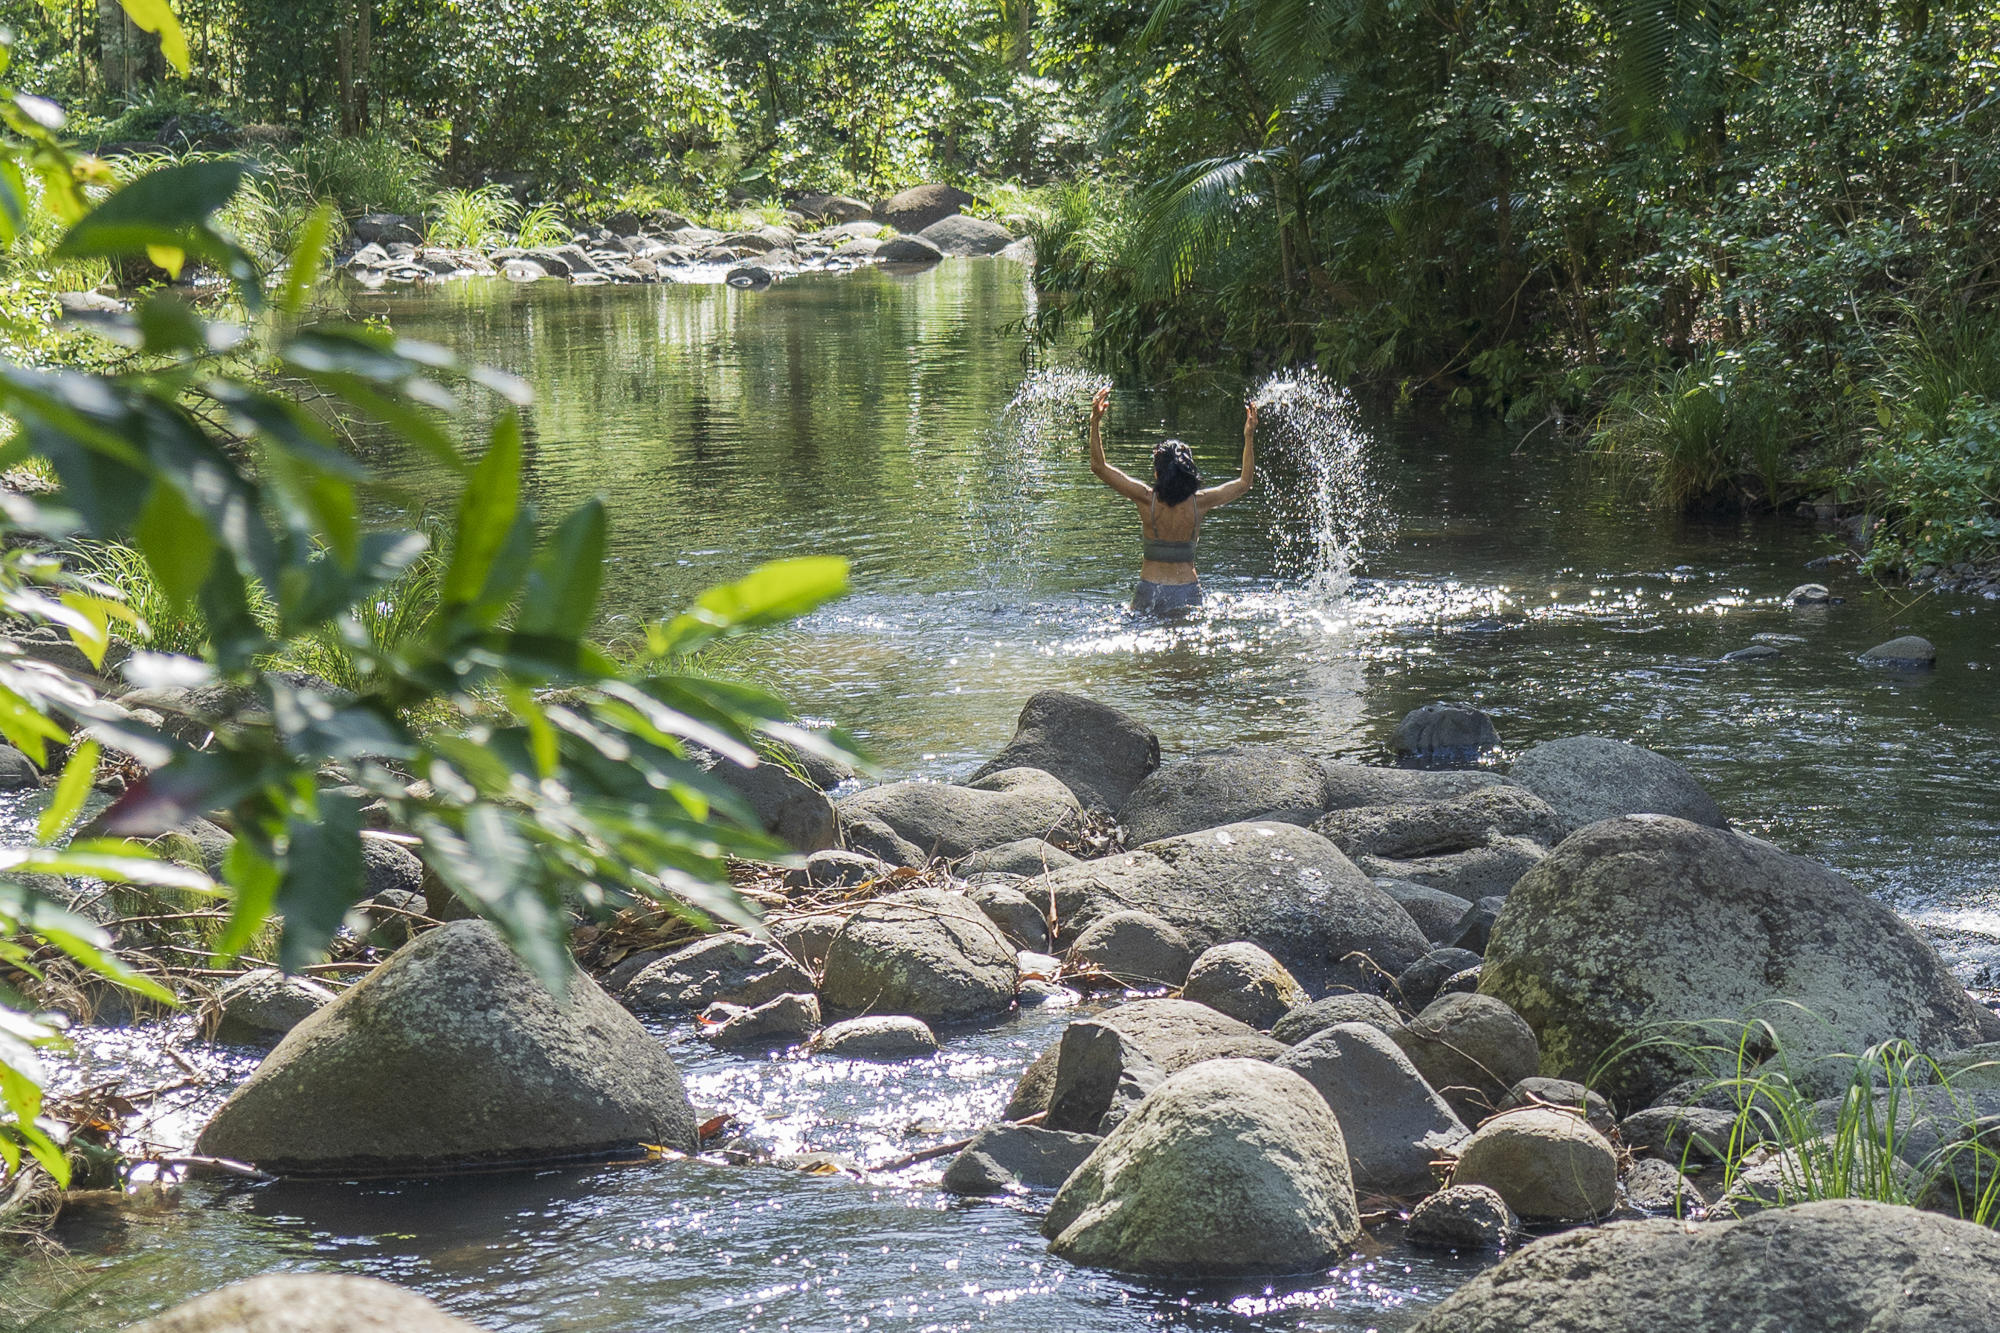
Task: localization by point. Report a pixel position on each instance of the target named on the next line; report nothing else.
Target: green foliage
(469, 219)
(369, 173)
(542, 225)
(539, 773)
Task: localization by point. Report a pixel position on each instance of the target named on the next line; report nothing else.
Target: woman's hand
(1249, 420)
(1099, 402)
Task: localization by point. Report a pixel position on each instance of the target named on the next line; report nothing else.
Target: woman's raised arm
(1231, 490)
(1129, 487)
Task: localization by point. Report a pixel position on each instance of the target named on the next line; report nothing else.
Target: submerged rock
(451, 1054)
(1232, 1167)
(1448, 733)
(923, 952)
(1843, 1266)
(1394, 1123)
(1643, 921)
(1005, 1158)
(951, 821)
(907, 250)
(306, 1303)
(1909, 653)
(1548, 1165)
(1283, 888)
(1100, 753)
(1414, 829)
(1588, 778)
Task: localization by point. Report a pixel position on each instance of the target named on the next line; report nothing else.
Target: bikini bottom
(1166, 599)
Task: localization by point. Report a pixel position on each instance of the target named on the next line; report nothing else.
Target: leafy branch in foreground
(560, 779)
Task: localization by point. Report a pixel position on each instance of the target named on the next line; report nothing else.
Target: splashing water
(1323, 506)
(1037, 433)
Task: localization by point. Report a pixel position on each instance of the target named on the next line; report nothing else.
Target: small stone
(1421, 981)
(1654, 1186)
(1004, 1159)
(1307, 1020)
(878, 1037)
(1243, 981)
(259, 1007)
(1548, 1165)
(784, 1019)
(1564, 1094)
(1756, 652)
(1462, 1217)
(1809, 594)
(833, 868)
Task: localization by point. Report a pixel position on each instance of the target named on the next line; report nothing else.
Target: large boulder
(1280, 887)
(1549, 1165)
(1411, 829)
(1842, 1266)
(451, 1054)
(1098, 752)
(919, 207)
(1170, 1034)
(1394, 1123)
(1588, 778)
(725, 969)
(906, 250)
(1243, 981)
(790, 809)
(306, 1303)
(1472, 1049)
(1206, 791)
(961, 235)
(1102, 1071)
(923, 952)
(1635, 924)
(952, 821)
(1229, 1168)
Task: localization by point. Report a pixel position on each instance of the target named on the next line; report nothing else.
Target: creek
(868, 415)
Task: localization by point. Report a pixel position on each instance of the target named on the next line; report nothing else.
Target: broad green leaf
(322, 876)
(252, 878)
(176, 543)
(561, 595)
(13, 201)
(27, 728)
(158, 16)
(486, 513)
(307, 252)
(108, 859)
(769, 595)
(169, 206)
(71, 790)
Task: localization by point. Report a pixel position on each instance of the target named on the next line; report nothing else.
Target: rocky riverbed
(1313, 1001)
(820, 233)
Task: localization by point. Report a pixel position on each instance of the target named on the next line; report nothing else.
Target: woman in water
(1170, 511)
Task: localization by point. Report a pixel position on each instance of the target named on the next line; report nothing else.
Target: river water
(866, 414)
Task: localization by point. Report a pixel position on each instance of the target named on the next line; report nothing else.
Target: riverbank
(1011, 936)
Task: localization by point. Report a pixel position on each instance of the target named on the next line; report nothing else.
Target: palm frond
(1182, 220)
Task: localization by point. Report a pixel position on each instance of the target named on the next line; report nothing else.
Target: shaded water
(869, 415)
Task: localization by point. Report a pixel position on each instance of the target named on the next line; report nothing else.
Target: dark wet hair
(1174, 476)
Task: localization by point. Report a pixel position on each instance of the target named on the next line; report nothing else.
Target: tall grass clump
(164, 625)
(472, 219)
(1698, 434)
(369, 173)
(542, 225)
(1885, 1125)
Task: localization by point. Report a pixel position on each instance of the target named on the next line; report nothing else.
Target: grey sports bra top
(1170, 553)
